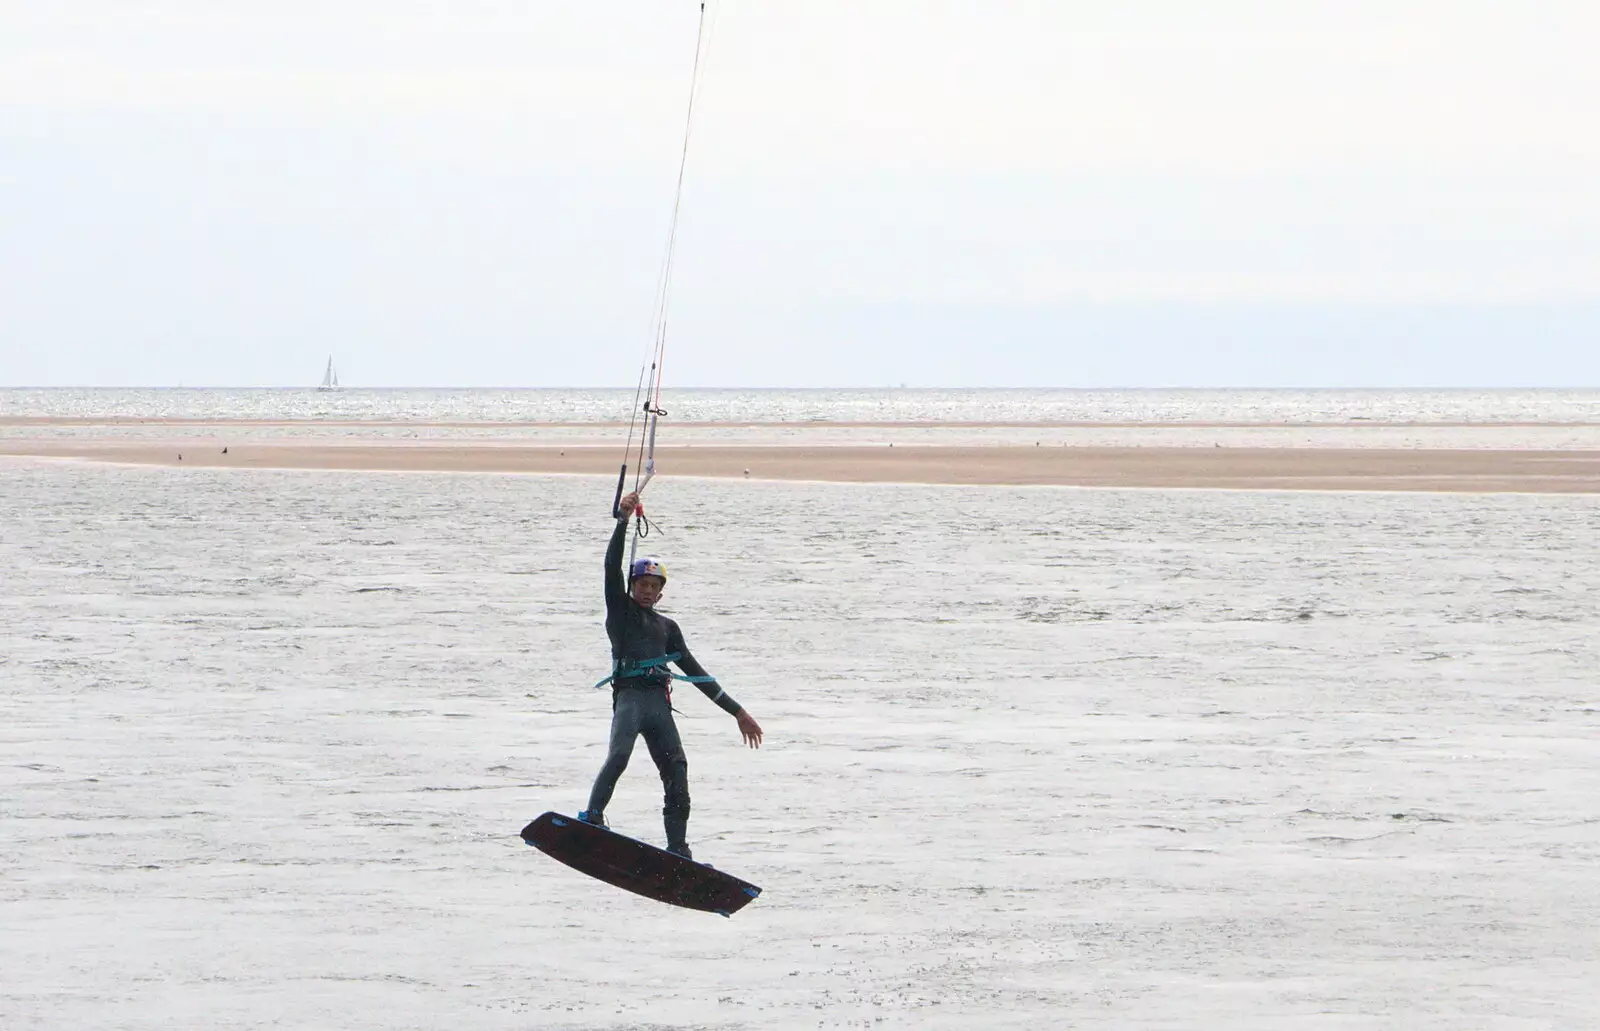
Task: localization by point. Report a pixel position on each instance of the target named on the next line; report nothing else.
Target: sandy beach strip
(1254, 468)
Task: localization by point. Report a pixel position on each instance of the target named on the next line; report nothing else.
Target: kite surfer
(643, 642)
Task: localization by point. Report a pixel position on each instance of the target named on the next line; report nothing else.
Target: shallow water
(1549, 436)
(817, 405)
(1036, 757)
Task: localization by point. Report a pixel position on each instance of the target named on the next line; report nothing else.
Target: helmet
(647, 567)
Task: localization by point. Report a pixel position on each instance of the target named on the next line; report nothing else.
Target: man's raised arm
(616, 584)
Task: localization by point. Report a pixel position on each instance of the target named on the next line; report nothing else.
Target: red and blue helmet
(647, 567)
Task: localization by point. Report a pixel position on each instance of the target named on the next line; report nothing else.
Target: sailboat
(330, 378)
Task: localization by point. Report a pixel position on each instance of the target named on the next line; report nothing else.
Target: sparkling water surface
(1036, 757)
(871, 405)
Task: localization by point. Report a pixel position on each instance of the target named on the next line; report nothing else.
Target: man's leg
(625, 717)
(666, 748)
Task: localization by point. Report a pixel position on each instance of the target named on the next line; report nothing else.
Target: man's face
(647, 589)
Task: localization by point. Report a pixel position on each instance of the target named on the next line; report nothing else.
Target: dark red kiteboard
(643, 869)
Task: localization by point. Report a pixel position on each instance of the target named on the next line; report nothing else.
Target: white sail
(330, 378)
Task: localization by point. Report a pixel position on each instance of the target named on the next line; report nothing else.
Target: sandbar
(1241, 468)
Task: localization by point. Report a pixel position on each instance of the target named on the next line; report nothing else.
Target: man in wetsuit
(642, 643)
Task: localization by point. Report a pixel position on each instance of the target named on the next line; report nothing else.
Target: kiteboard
(642, 869)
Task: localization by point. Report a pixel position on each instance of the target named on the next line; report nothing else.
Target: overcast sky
(476, 193)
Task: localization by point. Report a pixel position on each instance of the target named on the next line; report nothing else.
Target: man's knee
(676, 783)
(617, 759)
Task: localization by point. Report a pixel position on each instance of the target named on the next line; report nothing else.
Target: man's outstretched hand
(749, 729)
(628, 503)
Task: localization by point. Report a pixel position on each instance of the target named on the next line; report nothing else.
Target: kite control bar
(616, 502)
(643, 525)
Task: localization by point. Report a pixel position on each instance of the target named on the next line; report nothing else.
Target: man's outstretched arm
(749, 729)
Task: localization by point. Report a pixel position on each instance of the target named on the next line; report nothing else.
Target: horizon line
(879, 387)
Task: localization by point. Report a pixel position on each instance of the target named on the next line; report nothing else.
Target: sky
(478, 193)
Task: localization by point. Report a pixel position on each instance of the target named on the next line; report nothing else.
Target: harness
(651, 668)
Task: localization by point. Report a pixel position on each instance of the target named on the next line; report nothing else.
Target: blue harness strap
(624, 670)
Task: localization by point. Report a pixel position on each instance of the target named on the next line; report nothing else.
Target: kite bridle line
(649, 385)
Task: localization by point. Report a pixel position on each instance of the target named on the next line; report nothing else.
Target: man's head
(646, 580)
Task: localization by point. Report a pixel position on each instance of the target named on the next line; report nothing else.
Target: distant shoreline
(533, 424)
(1243, 468)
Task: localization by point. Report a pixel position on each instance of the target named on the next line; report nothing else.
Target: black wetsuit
(639, 702)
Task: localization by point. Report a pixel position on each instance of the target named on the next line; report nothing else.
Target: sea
(1452, 419)
(558, 405)
(1034, 757)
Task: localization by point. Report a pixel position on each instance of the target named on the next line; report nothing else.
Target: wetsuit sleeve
(616, 586)
(689, 665)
